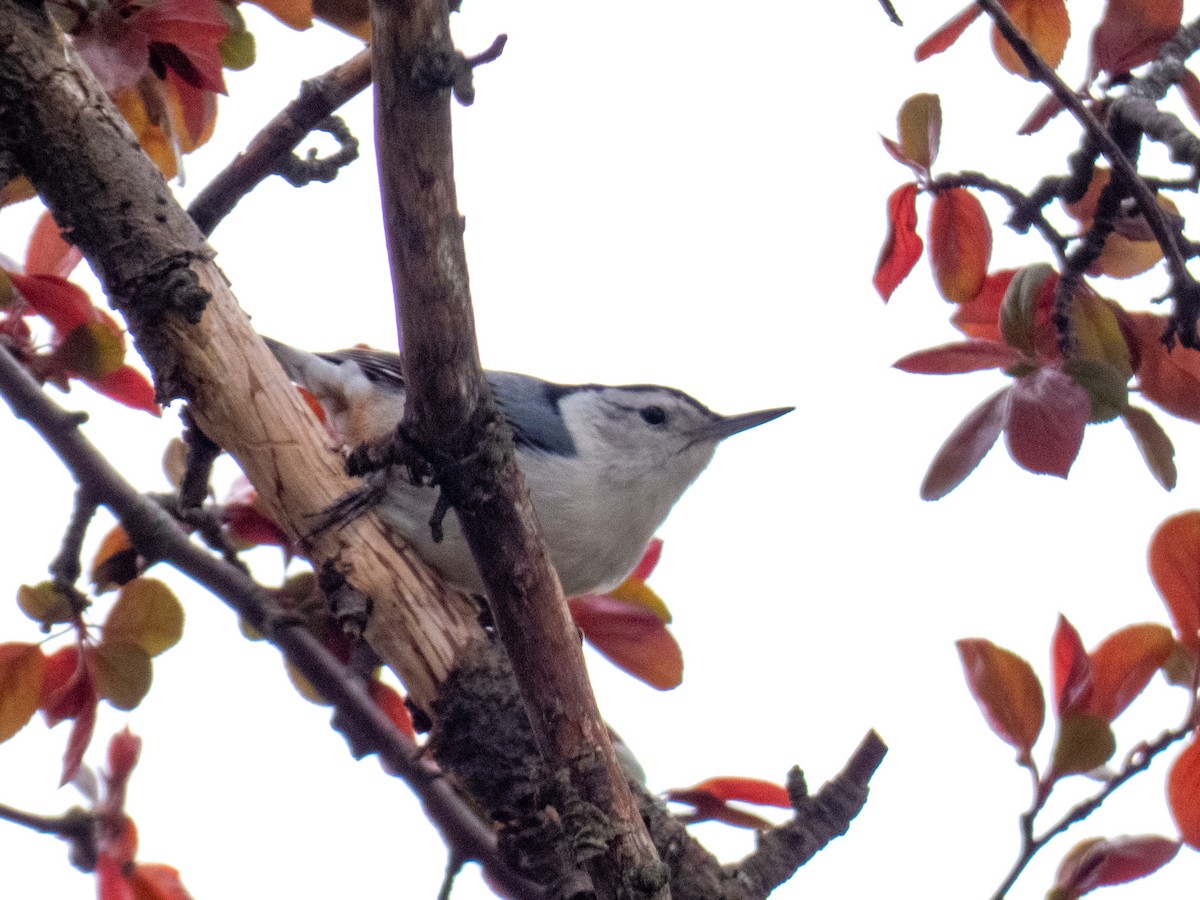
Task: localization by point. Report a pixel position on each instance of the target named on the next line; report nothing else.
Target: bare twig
(1137, 760)
(319, 97)
(890, 9)
(1026, 210)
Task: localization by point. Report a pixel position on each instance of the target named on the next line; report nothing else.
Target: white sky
(686, 194)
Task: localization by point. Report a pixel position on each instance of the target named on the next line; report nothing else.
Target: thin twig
(1026, 210)
(1138, 760)
(319, 97)
(1183, 286)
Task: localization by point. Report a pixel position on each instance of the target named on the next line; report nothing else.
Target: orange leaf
(902, 247)
(1174, 560)
(147, 613)
(111, 883)
(1168, 378)
(1007, 691)
(980, 316)
(632, 639)
(1044, 23)
(1123, 664)
(949, 33)
(960, 244)
(1183, 787)
(351, 16)
(116, 561)
(22, 672)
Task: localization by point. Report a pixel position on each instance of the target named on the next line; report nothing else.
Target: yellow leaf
(123, 672)
(147, 613)
(22, 668)
(45, 603)
(639, 594)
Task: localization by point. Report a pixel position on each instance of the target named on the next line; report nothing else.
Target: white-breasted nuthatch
(604, 465)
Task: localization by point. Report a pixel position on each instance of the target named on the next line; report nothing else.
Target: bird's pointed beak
(726, 426)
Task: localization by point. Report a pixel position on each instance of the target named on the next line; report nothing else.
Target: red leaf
(948, 33)
(1123, 664)
(1131, 33)
(1041, 115)
(958, 357)
(966, 446)
(194, 29)
(129, 387)
(1101, 862)
(1189, 86)
(746, 790)
(980, 317)
(155, 881)
(1072, 670)
(1007, 691)
(960, 244)
(902, 247)
(1174, 560)
(1183, 787)
(1047, 413)
(47, 252)
(81, 735)
(111, 883)
(631, 638)
(387, 699)
(124, 748)
(648, 561)
(64, 305)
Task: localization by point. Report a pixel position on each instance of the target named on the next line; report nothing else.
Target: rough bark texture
(60, 128)
(449, 408)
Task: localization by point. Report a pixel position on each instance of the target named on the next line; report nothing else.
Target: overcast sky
(688, 194)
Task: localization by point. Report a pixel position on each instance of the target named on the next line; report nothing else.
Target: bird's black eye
(653, 415)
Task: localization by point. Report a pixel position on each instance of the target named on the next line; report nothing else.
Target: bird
(604, 464)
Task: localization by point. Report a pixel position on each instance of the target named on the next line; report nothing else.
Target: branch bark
(449, 407)
(62, 131)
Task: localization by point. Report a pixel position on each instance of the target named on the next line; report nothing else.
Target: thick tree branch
(80, 155)
(449, 407)
(154, 534)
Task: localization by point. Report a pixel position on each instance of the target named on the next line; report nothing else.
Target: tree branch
(449, 407)
(154, 534)
(1184, 288)
(274, 143)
